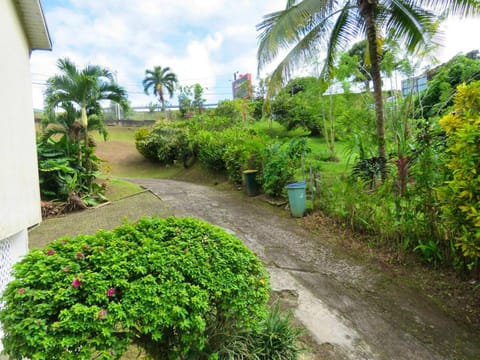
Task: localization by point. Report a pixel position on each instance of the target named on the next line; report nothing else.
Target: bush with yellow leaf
(461, 192)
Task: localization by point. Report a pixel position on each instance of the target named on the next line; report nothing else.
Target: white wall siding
(11, 250)
(19, 189)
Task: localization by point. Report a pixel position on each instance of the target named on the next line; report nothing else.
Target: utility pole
(117, 106)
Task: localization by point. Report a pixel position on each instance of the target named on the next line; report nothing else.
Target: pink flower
(50, 252)
(80, 256)
(21, 291)
(66, 268)
(102, 314)
(76, 283)
(111, 292)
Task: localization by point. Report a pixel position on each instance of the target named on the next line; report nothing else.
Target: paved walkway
(351, 311)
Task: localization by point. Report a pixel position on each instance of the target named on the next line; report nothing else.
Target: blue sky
(202, 41)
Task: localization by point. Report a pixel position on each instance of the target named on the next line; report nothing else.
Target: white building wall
(19, 189)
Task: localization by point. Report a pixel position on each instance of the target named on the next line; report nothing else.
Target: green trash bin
(251, 184)
(296, 198)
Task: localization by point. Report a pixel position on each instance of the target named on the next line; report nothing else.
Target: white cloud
(201, 41)
(459, 35)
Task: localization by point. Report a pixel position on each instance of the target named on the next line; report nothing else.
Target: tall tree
(79, 93)
(83, 90)
(305, 26)
(158, 80)
(198, 99)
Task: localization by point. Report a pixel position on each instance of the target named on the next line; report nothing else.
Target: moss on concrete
(105, 217)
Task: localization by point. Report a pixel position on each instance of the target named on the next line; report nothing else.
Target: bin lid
(250, 171)
(297, 185)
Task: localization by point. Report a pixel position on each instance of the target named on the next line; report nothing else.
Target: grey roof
(34, 24)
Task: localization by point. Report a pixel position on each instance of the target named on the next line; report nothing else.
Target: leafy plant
(164, 143)
(274, 338)
(369, 170)
(62, 176)
(430, 250)
(461, 192)
(281, 162)
(168, 285)
(236, 110)
(298, 105)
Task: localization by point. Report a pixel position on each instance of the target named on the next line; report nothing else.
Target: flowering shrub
(175, 287)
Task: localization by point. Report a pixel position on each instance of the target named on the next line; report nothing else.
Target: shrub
(143, 145)
(235, 110)
(168, 285)
(164, 143)
(211, 148)
(462, 192)
(281, 162)
(243, 151)
(275, 338)
(62, 175)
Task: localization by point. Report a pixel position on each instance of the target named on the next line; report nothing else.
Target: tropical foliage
(73, 99)
(177, 288)
(158, 80)
(461, 192)
(444, 79)
(304, 26)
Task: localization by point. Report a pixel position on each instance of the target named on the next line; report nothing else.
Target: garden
(398, 168)
(425, 202)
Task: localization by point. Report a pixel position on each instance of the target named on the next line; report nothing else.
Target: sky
(202, 41)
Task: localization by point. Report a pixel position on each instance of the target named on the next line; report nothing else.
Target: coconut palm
(305, 27)
(159, 79)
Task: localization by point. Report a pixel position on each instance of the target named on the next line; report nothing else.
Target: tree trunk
(367, 10)
(86, 157)
(161, 98)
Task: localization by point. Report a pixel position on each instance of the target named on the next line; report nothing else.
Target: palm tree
(158, 79)
(78, 93)
(82, 90)
(304, 26)
(66, 123)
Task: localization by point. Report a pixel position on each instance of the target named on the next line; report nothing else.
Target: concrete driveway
(350, 310)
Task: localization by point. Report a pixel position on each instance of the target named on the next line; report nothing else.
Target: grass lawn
(276, 130)
(320, 151)
(118, 189)
(122, 160)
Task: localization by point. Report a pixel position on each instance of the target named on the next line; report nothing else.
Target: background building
(242, 86)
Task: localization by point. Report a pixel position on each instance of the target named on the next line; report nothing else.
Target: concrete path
(351, 311)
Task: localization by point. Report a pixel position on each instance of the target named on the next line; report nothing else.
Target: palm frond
(346, 27)
(462, 8)
(73, 90)
(412, 25)
(300, 53)
(283, 29)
